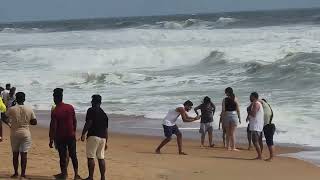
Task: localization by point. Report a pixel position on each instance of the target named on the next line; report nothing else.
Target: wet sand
(131, 157)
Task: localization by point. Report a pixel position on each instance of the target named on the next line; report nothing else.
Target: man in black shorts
(170, 127)
(269, 128)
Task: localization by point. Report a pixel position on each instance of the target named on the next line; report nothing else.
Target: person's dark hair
(20, 97)
(8, 86)
(229, 93)
(188, 103)
(58, 92)
(12, 91)
(207, 100)
(255, 95)
(96, 99)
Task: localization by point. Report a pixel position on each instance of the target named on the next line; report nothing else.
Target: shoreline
(130, 125)
(132, 157)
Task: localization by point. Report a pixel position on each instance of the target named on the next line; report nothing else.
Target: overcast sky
(26, 10)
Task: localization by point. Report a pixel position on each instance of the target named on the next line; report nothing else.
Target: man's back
(63, 117)
(99, 122)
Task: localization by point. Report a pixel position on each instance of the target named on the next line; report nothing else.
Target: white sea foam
(144, 71)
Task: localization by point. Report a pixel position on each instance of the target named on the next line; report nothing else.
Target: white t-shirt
(172, 116)
(20, 117)
(256, 123)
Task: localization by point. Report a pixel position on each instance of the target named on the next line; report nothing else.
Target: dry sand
(131, 157)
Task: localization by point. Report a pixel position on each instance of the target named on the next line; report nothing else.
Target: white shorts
(95, 147)
(20, 144)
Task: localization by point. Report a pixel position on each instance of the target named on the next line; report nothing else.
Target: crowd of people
(260, 116)
(63, 126)
(62, 133)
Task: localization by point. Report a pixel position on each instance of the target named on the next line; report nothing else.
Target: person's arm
(52, 131)
(254, 110)
(271, 118)
(87, 126)
(5, 118)
(238, 110)
(33, 120)
(196, 110)
(74, 120)
(185, 116)
(107, 137)
(223, 111)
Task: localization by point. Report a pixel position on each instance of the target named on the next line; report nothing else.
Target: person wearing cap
(19, 117)
(95, 131)
(63, 127)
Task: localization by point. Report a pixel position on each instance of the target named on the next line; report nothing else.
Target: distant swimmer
(207, 112)
(170, 127)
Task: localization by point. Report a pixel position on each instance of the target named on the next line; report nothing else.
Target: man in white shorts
(20, 117)
(96, 128)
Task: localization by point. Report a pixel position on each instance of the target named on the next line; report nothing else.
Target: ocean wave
(193, 24)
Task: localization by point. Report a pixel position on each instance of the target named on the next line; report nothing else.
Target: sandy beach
(131, 157)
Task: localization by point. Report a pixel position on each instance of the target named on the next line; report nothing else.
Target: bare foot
(182, 153)
(14, 176)
(77, 177)
(211, 146)
(202, 146)
(257, 158)
(60, 176)
(269, 159)
(235, 149)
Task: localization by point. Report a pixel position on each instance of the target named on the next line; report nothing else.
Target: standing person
(97, 128)
(11, 98)
(256, 120)
(19, 118)
(170, 127)
(224, 131)
(63, 128)
(5, 93)
(269, 128)
(231, 116)
(3, 109)
(249, 137)
(207, 112)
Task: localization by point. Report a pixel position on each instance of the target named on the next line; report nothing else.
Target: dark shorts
(170, 130)
(269, 131)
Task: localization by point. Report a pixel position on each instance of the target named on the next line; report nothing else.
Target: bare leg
(233, 136)
(179, 142)
(91, 166)
(261, 142)
(224, 132)
(210, 134)
(102, 167)
(163, 143)
(15, 162)
(24, 159)
(249, 139)
(271, 150)
(228, 137)
(203, 136)
(255, 140)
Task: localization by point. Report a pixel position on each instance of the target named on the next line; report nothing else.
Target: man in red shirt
(63, 127)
